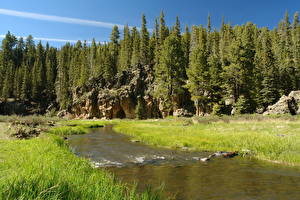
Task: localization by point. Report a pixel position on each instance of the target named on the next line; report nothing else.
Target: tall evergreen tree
(84, 65)
(26, 84)
(266, 72)
(114, 48)
(109, 71)
(125, 50)
(198, 72)
(144, 43)
(186, 39)
(38, 73)
(51, 72)
(63, 86)
(169, 74)
(135, 57)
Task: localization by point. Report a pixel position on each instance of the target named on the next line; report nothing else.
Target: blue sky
(261, 12)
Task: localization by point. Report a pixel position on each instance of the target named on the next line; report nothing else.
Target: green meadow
(271, 138)
(45, 168)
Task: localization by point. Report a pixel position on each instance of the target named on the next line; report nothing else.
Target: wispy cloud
(55, 18)
(49, 39)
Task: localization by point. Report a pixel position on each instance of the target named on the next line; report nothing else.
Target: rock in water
(229, 154)
(219, 154)
(135, 141)
(205, 159)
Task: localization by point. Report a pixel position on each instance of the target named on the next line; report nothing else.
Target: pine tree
(296, 47)
(266, 72)
(284, 57)
(238, 75)
(144, 43)
(19, 51)
(177, 28)
(7, 88)
(198, 72)
(62, 86)
(125, 50)
(185, 43)
(135, 58)
(76, 64)
(114, 48)
(169, 74)
(51, 67)
(85, 67)
(163, 29)
(226, 37)
(38, 73)
(26, 84)
(9, 65)
(29, 54)
(109, 71)
(92, 57)
(162, 34)
(215, 68)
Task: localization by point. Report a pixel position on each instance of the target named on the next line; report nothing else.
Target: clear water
(182, 176)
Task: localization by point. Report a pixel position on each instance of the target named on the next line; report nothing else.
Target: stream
(181, 174)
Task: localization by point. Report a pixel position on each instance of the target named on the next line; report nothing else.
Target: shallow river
(182, 175)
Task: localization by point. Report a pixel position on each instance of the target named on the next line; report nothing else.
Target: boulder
(182, 113)
(286, 105)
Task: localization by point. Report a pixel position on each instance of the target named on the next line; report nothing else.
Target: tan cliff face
(110, 104)
(119, 100)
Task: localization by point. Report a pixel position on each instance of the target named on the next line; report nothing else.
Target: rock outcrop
(118, 99)
(286, 105)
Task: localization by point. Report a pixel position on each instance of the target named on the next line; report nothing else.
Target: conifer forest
(199, 69)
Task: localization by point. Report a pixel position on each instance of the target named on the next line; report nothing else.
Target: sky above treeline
(59, 21)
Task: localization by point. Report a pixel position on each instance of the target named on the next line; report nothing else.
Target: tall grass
(268, 138)
(76, 127)
(44, 168)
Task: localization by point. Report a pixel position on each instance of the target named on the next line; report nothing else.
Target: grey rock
(286, 105)
(182, 113)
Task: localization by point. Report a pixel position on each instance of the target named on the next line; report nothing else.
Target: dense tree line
(242, 65)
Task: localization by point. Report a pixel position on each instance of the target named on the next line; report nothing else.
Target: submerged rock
(135, 141)
(220, 154)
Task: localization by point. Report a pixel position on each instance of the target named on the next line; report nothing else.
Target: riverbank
(272, 138)
(45, 168)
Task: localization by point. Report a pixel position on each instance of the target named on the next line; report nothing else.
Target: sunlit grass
(44, 168)
(76, 127)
